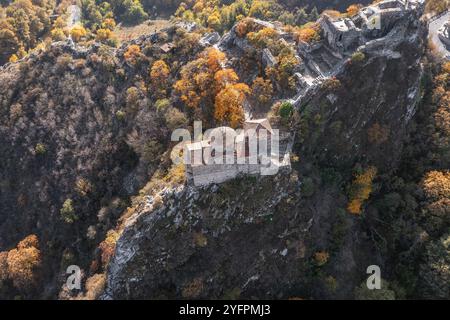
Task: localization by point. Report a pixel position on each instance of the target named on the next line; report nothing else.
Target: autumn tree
(244, 26)
(229, 104)
(23, 263)
(159, 75)
(262, 90)
(214, 58)
(262, 38)
(224, 77)
(436, 186)
(360, 190)
(197, 78)
(78, 32)
(22, 23)
(109, 24)
(321, 258)
(132, 54)
(133, 12)
(103, 35)
(95, 286)
(308, 33)
(108, 246)
(8, 42)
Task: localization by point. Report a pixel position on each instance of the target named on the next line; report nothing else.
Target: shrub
(13, 58)
(352, 10)
(446, 67)
(357, 57)
(286, 110)
(308, 33)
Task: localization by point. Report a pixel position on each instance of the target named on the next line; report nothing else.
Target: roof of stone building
(255, 123)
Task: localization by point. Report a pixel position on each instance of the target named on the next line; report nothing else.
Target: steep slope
(80, 133)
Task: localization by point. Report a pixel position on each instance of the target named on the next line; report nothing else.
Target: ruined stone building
(344, 35)
(224, 154)
(444, 34)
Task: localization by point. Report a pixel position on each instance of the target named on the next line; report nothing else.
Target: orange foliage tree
(23, 262)
(159, 75)
(360, 190)
(197, 78)
(132, 54)
(308, 33)
(224, 77)
(108, 246)
(229, 103)
(77, 33)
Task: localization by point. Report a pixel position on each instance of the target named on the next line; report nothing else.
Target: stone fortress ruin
(318, 61)
(223, 153)
(444, 34)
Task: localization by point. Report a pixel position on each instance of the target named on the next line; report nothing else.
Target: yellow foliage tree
(103, 34)
(197, 78)
(229, 104)
(159, 74)
(132, 54)
(360, 190)
(13, 58)
(224, 77)
(77, 33)
(214, 58)
(308, 33)
(23, 262)
(109, 23)
(108, 246)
